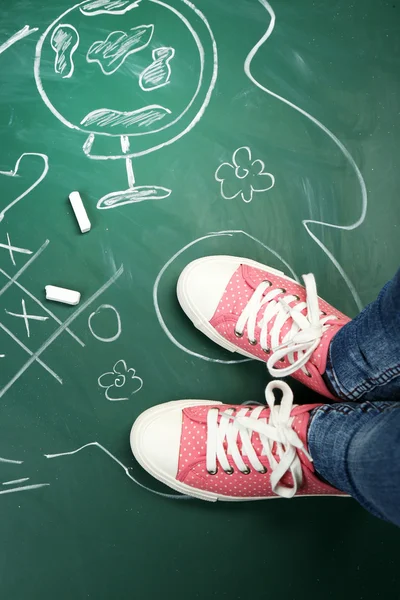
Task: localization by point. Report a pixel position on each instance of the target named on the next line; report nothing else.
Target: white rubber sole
(197, 318)
(136, 437)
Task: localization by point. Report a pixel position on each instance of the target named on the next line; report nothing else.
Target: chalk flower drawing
(120, 377)
(244, 176)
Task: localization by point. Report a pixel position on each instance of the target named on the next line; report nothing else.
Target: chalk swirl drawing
(156, 302)
(64, 41)
(120, 383)
(243, 176)
(14, 173)
(101, 310)
(336, 141)
(87, 105)
(158, 73)
(104, 7)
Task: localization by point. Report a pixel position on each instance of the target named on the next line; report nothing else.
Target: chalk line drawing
(158, 73)
(119, 463)
(336, 141)
(63, 326)
(16, 481)
(120, 377)
(11, 249)
(111, 7)
(14, 281)
(167, 331)
(11, 462)
(26, 317)
(24, 488)
(14, 173)
(244, 176)
(102, 308)
(19, 35)
(142, 117)
(140, 123)
(64, 41)
(2, 355)
(111, 53)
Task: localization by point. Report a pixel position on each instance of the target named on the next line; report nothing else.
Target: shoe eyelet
(253, 342)
(323, 312)
(283, 290)
(267, 281)
(267, 350)
(281, 360)
(212, 472)
(238, 334)
(308, 374)
(297, 297)
(246, 471)
(263, 470)
(229, 471)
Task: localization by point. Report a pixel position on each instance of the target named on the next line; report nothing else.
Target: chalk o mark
(101, 308)
(339, 144)
(160, 318)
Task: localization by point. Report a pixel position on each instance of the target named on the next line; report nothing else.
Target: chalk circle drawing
(121, 383)
(364, 195)
(243, 176)
(124, 55)
(64, 41)
(101, 310)
(159, 72)
(14, 173)
(156, 302)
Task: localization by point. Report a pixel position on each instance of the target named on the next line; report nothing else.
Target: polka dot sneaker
(261, 313)
(216, 451)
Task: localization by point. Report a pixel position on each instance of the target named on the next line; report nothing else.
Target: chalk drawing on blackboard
(24, 488)
(11, 249)
(13, 481)
(142, 128)
(24, 315)
(19, 35)
(111, 53)
(364, 195)
(63, 326)
(101, 310)
(156, 302)
(64, 41)
(113, 7)
(121, 383)
(14, 173)
(10, 461)
(244, 176)
(159, 72)
(120, 464)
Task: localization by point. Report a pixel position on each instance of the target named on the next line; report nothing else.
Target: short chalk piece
(80, 212)
(58, 294)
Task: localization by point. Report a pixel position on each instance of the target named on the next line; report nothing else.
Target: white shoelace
(276, 429)
(302, 338)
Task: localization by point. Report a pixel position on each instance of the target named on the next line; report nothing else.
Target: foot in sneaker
(216, 451)
(261, 313)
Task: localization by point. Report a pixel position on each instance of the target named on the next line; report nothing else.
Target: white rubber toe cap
(202, 283)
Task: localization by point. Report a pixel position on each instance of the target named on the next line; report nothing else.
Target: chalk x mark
(19, 35)
(26, 317)
(364, 195)
(11, 249)
(119, 463)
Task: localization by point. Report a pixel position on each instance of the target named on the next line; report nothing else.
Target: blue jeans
(355, 444)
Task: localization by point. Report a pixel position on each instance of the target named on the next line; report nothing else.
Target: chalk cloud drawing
(111, 7)
(64, 41)
(112, 52)
(158, 73)
(14, 173)
(120, 383)
(244, 176)
(335, 140)
(141, 129)
(103, 308)
(19, 35)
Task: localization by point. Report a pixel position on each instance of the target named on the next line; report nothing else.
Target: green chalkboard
(137, 104)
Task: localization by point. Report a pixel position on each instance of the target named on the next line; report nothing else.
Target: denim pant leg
(356, 448)
(364, 356)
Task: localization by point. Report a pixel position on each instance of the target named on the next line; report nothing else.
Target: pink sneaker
(216, 451)
(261, 313)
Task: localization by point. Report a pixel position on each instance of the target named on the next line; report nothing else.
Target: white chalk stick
(80, 212)
(59, 294)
